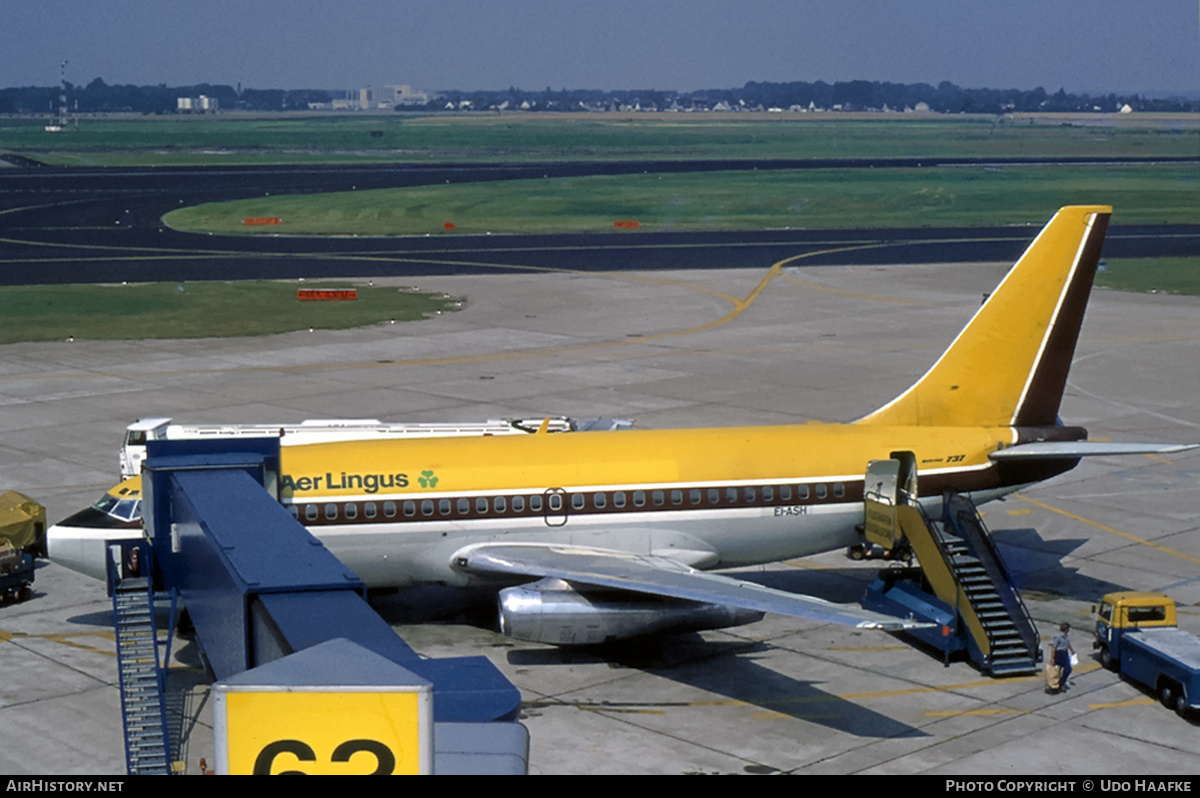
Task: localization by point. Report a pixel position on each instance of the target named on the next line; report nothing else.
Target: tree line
(855, 95)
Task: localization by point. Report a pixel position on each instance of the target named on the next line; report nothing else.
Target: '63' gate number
(385, 760)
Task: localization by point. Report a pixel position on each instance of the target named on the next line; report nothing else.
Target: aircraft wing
(1055, 450)
(660, 576)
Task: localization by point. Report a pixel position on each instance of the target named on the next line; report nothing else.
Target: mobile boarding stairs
(962, 584)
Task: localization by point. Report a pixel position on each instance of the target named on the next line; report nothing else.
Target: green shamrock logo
(427, 479)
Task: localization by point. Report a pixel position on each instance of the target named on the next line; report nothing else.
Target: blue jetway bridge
(262, 592)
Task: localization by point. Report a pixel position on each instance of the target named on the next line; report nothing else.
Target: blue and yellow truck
(1136, 635)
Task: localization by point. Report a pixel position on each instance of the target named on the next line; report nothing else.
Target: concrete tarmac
(670, 349)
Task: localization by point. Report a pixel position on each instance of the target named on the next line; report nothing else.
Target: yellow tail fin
(1008, 366)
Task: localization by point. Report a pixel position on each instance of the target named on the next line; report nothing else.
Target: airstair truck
(963, 587)
(1136, 635)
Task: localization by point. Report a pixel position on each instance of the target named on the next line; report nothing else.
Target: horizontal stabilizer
(659, 576)
(1059, 450)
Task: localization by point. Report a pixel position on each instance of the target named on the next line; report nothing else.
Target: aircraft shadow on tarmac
(1037, 566)
(725, 668)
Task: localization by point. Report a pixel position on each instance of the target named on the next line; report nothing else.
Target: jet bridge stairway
(973, 599)
(143, 708)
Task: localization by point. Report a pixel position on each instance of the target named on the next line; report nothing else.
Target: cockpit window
(128, 509)
(124, 509)
(106, 503)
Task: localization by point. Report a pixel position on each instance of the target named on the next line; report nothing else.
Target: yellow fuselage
(396, 512)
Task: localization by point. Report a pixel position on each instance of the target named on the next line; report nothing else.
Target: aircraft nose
(79, 542)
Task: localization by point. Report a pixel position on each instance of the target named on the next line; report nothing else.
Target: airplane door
(907, 477)
(882, 481)
(556, 507)
(887, 484)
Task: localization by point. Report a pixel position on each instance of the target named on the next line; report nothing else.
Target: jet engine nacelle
(551, 611)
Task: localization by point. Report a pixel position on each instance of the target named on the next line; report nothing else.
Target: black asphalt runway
(104, 225)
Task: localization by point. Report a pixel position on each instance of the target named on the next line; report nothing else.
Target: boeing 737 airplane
(600, 535)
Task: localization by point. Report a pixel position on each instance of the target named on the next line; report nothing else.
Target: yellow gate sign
(377, 722)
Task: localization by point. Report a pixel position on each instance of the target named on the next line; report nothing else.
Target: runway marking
(1133, 702)
(768, 715)
(810, 566)
(64, 638)
(1166, 550)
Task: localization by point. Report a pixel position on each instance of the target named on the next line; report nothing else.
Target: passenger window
(351, 510)
(695, 496)
(518, 504)
(389, 509)
(499, 504)
(331, 512)
(577, 501)
(444, 506)
(750, 495)
(294, 510)
(311, 512)
(410, 508)
(714, 496)
(639, 498)
(731, 495)
(658, 498)
(427, 507)
(821, 491)
(481, 505)
(768, 493)
(464, 506)
(554, 502)
(535, 504)
(676, 497)
(802, 492)
(839, 490)
(785, 493)
(600, 501)
(369, 510)
(619, 499)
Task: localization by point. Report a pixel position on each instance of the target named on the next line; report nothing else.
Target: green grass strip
(198, 310)
(738, 200)
(288, 138)
(1152, 275)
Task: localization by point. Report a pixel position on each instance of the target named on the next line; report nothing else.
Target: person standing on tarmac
(1061, 650)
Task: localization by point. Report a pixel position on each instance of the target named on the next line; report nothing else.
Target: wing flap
(660, 576)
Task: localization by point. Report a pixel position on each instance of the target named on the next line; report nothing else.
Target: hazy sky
(1094, 45)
